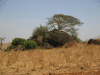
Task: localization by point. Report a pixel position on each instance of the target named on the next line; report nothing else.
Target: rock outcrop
(56, 39)
(94, 41)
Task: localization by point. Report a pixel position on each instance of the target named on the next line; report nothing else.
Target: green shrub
(80, 40)
(30, 37)
(17, 41)
(10, 47)
(41, 31)
(37, 47)
(30, 44)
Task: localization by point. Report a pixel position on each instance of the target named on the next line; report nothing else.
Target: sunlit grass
(79, 55)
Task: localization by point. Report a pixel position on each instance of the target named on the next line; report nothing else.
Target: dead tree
(2, 39)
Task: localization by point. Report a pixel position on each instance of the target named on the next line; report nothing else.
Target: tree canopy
(41, 31)
(63, 21)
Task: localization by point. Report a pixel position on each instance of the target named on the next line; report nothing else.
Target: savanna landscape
(77, 59)
(51, 52)
(49, 37)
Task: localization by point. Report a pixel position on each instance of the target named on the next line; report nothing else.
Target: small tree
(2, 39)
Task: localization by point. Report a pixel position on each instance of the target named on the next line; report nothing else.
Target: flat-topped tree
(63, 21)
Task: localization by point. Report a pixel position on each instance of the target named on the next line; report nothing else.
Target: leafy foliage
(41, 31)
(72, 31)
(80, 40)
(30, 44)
(75, 38)
(17, 41)
(30, 37)
(64, 21)
(10, 47)
(37, 47)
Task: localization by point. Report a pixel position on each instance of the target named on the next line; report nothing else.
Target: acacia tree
(63, 21)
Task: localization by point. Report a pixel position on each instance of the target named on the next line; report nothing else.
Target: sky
(19, 18)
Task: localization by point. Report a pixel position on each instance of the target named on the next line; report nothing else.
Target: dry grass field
(79, 59)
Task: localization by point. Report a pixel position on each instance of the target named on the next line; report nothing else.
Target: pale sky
(18, 18)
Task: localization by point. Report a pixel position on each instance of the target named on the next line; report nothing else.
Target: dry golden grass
(77, 58)
(4, 45)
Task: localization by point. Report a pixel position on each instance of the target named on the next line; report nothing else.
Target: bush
(30, 44)
(10, 47)
(30, 37)
(37, 47)
(80, 40)
(17, 41)
(41, 31)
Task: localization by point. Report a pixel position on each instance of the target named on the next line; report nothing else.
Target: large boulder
(58, 38)
(94, 41)
(46, 46)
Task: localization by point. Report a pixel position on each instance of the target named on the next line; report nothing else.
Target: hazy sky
(18, 18)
